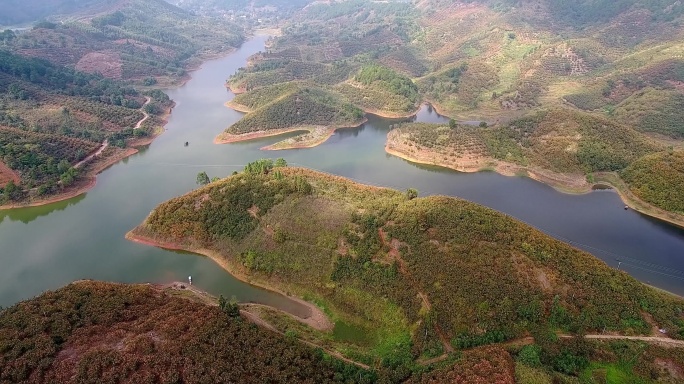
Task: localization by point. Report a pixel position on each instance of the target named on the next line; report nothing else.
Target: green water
(44, 248)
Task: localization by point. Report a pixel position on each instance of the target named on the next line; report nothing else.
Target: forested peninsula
(367, 256)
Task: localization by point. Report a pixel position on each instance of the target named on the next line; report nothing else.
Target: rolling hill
(15, 12)
(291, 107)
(414, 277)
(53, 118)
(603, 79)
(91, 332)
(144, 40)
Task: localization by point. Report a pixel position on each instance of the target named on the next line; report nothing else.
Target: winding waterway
(46, 247)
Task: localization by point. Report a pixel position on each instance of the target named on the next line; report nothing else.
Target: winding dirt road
(105, 143)
(145, 114)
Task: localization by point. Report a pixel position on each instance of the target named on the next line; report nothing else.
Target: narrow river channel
(43, 248)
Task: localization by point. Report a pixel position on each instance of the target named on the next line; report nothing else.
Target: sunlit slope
(296, 107)
(658, 179)
(420, 274)
(559, 140)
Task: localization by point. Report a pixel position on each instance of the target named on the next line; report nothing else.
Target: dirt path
(394, 253)
(145, 114)
(104, 146)
(256, 319)
(662, 341)
(105, 143)
(316, 317)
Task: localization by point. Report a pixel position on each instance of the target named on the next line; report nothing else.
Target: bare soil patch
(671, 367)
(106, 63)
(7, 174)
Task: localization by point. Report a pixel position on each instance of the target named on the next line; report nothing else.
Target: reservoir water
(44, 248)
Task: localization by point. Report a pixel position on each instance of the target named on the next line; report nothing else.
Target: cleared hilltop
(405, 279)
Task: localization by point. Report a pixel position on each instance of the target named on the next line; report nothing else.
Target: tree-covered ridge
(58, 79)
(140, 39)
(472, 70)
(658, 179)
(560, 140)
(317, 48)
(265, 95)
(419, 276)
(300, 107)
(103, 332)
(480, 365)
(592, 11)
(264, 7)
(42, 161)
(15, 12)
(390, 84)
(93, 332)
(647, 98)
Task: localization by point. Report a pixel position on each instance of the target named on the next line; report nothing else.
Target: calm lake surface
(44, 248)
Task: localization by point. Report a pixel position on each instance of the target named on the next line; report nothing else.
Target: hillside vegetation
(317, 48)
(143, 40)
(658, 179)
(303, 106)
(90, 332)
(560, 140)
(523, 65)
(295, 107)
(13, 12)
(71, 98)
(410, 277)
(53, 117)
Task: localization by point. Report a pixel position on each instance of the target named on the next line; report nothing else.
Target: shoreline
(317, 135)
(317, 319)
(237, 107)
(89, 180)
(555, 181)
(389, 115)
(86, 183)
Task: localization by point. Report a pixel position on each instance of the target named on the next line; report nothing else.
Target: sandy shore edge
(317, 135)
(317, 318)
(556, 181)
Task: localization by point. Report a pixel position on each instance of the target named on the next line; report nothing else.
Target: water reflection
(27, 215)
